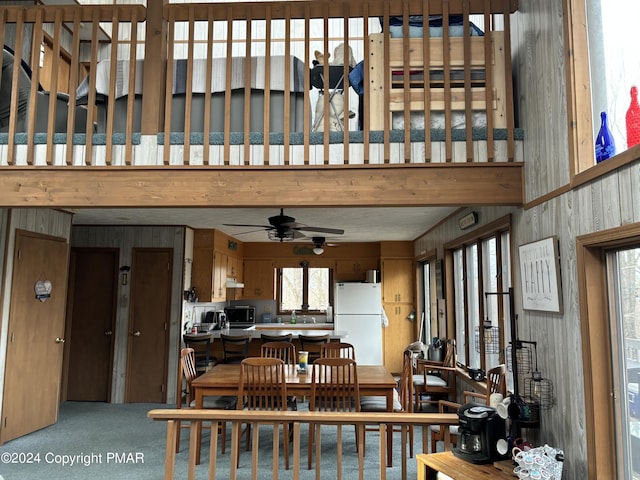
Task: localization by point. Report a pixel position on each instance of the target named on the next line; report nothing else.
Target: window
(603, 32)
(609, 282)
(304, 289)
(623, 267)
(481, 282)
(429, 323)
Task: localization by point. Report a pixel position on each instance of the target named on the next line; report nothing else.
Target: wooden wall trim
(596, 346)
(428, 185)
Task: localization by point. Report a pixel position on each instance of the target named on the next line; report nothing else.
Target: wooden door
(149, 315)
(93, 290)
(36, 334)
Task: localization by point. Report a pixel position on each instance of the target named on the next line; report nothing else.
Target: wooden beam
(341, 9)
(388, 185)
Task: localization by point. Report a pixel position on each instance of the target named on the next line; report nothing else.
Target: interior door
(149, 325)
(36, 334)
(91, 320)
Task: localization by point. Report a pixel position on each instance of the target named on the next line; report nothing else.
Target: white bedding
(198, 84)
(478, 119)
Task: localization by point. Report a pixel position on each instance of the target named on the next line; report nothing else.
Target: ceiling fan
(285, 228)
(319, 243)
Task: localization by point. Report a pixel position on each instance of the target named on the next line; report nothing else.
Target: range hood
(233, 283)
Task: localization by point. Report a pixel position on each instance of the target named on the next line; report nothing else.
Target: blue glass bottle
(605, 146)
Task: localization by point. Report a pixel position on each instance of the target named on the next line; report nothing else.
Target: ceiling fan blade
(245, 225)
(334, 231)
(250, 231)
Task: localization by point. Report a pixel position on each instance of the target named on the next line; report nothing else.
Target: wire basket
(524, 358)
(490, 336)
(539, 388)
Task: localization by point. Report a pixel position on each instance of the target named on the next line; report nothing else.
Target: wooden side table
(445, 462)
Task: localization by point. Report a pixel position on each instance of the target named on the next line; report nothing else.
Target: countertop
(284, 330)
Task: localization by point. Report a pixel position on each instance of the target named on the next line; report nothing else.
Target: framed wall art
(540, 275)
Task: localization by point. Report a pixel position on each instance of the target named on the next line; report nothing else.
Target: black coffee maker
(480, 429)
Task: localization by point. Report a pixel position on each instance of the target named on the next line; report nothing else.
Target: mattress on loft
(277, 85)
(237, 111)
(437, 120)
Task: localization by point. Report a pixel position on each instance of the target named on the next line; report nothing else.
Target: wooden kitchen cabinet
(354, 269)
(259, 280)
(234, 268)
(213, 262)
(397, 299)
(397, 280)
(398, 335)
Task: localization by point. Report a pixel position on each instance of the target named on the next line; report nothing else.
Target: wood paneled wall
(125, 239)
(538, 60)
(609, 201)
(40, 220)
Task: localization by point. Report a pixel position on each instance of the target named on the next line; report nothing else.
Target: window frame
(581, 140)
(494, 229)
(305, 287)
(596, 337)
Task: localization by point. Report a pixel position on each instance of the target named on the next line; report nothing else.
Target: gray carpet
(114, 442)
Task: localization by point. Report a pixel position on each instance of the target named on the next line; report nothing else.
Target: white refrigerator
(358, 312)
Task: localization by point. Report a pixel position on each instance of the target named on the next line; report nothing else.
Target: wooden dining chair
(433, 380)
(402, 402)
(437, 432)
(496, 380)
(235, 348)
(337, 350)
(285, 351)
(334, 388)
(312, 344)
(263, 387)
(285, 337)
(187, 370)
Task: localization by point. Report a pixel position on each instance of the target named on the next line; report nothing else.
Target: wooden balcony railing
(297, 419)
(235, 84)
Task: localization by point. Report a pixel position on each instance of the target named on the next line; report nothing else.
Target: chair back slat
(262, 384)
(334, 385)
(285, 351)
(338, 350)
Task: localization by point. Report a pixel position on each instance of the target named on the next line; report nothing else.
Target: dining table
(223, 379)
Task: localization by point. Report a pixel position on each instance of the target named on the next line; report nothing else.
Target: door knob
(136, 333)
(59, 340)
(108, 332)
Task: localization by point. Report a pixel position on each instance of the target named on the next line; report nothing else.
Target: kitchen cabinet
(213, 263)
(354, 269)
(397, 280)
(234, 268)
(397, 300)
(259, 280)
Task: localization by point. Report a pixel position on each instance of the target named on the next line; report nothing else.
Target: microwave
(240, 316)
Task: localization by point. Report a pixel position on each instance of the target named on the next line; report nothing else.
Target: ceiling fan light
(318, 250)
(285, 236)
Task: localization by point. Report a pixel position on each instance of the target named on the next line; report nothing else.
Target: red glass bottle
(633, 119)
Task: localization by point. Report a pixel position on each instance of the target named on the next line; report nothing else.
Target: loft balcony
(188, 87)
